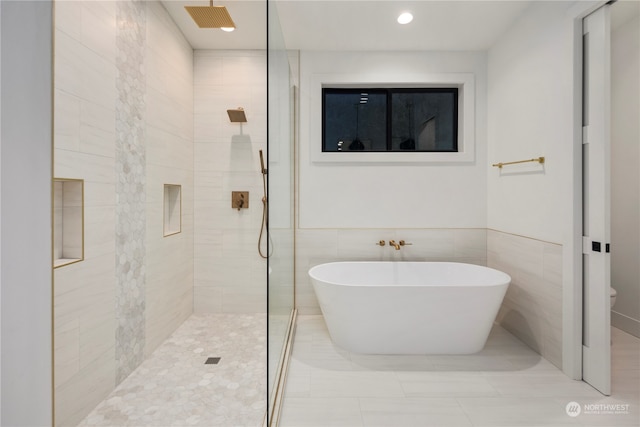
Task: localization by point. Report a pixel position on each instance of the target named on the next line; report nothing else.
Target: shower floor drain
(212, 361)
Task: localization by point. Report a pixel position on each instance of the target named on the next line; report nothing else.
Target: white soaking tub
(409, 307)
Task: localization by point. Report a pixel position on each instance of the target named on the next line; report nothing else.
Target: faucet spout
(394, 244)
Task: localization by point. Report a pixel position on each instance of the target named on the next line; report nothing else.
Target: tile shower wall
(122, 69)
(84, 141)
(229, 275)
(169, 260)
(532, 308)
(315, 247)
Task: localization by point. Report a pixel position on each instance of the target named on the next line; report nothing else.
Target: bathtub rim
(506, 279)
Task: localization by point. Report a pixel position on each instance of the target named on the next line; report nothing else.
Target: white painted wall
(25, 264)
(533, 89)
(420, 195)
(345, 208)
(625, 176)
(229, 275)
(530, 115)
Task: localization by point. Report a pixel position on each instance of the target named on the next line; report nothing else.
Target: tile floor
(174, 386)
(507, 384)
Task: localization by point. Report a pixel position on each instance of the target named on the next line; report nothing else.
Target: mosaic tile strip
(130, 186)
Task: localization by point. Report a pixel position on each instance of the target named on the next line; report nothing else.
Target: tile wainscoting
(532, 308)
(317, 246)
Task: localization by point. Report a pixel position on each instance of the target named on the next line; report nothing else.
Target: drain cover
(212, 361)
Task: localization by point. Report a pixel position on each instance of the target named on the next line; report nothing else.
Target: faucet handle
(380, 243)
(403, 243)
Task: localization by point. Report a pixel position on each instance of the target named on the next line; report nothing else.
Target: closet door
(596, 349)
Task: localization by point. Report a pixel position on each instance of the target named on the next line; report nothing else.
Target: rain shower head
(237, 115)
(211, 16)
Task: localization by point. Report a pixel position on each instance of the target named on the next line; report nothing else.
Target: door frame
(596, 353)
(572, 295)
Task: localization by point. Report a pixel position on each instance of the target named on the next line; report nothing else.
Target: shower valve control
(240, 199)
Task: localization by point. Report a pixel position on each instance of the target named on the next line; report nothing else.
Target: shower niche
(172, 209)
(68, 218)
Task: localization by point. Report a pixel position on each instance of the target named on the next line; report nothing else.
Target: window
(394, 119)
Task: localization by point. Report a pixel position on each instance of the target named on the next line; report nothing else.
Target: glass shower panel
(280, 196)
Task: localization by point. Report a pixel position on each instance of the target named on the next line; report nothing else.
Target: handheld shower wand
(265, 209)
(262, 168)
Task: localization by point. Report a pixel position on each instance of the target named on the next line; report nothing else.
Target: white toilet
(613, 297)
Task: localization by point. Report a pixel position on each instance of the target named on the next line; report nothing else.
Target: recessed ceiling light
(405, 18)
(227, 29)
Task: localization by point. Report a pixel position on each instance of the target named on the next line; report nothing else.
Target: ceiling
(371, 25)
(356, 24)
(451, 25)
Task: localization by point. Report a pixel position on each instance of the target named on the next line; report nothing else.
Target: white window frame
(465, 82)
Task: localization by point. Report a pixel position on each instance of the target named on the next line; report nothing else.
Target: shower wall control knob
(403, 243)
(380, 243)
(240, 199)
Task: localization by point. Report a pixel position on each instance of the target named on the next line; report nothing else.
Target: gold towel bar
(537, 159)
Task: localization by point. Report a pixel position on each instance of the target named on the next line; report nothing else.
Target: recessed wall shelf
(68, 218)
(172, 209)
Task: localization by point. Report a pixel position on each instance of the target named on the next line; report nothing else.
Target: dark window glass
(390, 119)
(354, 120)
(424, 120)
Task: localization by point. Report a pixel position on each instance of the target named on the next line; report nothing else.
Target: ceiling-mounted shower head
(237, 115)
(211, 16)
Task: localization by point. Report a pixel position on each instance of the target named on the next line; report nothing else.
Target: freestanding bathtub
(409, 307)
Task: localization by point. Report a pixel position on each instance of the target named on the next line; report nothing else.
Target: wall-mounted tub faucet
(394, 244)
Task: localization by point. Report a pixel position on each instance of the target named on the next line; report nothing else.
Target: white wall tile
(227, 266)
(207, 299)
(317, 246)
(91, 168)
(85, 138)
(532, 308)
(169, 160)
(67, 120)
(67, 350)
(98, 27)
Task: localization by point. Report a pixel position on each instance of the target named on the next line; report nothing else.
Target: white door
(596, 350)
